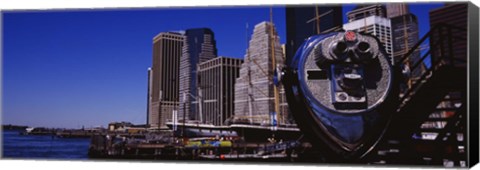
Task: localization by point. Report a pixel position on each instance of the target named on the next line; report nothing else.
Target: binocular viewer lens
(340, 48)
(350, 52)
(363, 47)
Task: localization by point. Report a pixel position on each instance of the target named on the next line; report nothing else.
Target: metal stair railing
(439, 36)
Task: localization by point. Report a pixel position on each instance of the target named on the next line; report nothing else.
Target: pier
(167, 147)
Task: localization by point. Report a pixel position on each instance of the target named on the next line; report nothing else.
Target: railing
(441, 53)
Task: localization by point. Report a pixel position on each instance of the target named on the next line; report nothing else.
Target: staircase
(429, 125)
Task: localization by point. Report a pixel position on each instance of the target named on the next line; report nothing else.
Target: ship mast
(317, 20)
(249, 89)
(275, 89)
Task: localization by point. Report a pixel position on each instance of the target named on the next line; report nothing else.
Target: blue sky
(74, 68)
(88, 68)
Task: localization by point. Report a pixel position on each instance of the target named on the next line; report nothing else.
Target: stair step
(438, 119)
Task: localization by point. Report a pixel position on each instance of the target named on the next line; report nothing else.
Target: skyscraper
(405, 36)
(167, 50)
(364, 11)
(255, 98)
(216, 81)
(371, 20)
(454, 14)
(199, 47)
(396, 9)
(404, 32)
(304, 22)
(149, 88)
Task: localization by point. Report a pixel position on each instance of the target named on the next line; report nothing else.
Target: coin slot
(316, 74)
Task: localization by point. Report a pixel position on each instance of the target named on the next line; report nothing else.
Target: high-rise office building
(167, 50)
(216, 81)
(199, 46)
(371, 20)
(304, 22)
(396, 9)
(364, 11)
(149, 88)
(454, 14)
(255, 98)
(405, 35)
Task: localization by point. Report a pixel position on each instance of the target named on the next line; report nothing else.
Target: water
(43, 147)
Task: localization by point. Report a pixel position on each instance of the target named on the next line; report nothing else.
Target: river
(18, 146)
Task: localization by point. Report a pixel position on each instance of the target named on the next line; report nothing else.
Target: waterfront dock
(172, 148)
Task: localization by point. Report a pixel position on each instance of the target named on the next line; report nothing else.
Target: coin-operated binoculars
(341, 91)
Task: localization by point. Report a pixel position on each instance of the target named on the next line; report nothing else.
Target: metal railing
(441, 53)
